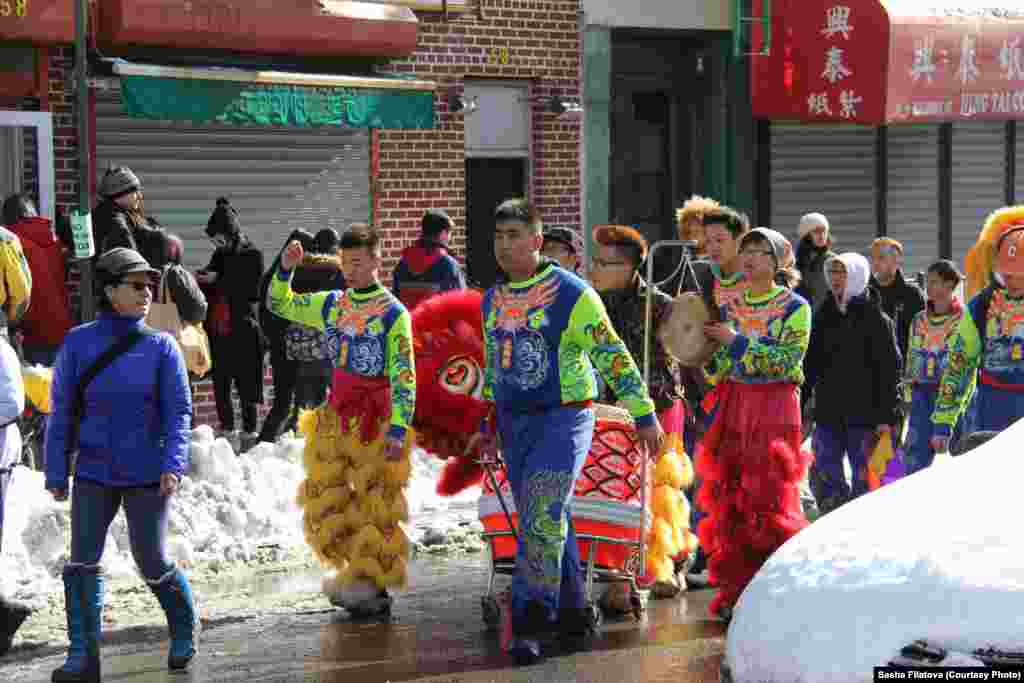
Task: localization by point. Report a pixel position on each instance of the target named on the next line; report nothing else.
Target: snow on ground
(936, 555)
(226, 508)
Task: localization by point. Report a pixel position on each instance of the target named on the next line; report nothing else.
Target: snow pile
(936, 556)
(224, 510)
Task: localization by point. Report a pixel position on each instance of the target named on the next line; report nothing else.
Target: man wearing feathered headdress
(987, 349)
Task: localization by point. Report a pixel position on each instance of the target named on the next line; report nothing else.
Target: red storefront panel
(333, 28)
(858, 61)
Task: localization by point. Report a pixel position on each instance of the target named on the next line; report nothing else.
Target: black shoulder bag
(119, 348)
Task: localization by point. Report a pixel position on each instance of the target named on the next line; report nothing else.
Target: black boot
(12, 615)
(578, 626)
(83, 596)
(526, 630)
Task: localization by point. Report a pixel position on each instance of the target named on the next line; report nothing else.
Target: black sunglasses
(137, 286)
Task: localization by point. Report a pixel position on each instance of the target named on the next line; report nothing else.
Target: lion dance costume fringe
(353, 500)
(669, 539)
(751, 464)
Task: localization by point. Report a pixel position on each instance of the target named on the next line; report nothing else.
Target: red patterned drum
(607, 501)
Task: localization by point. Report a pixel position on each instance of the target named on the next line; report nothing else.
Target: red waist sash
(366, 398)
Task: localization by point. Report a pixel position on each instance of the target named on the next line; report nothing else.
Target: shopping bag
(192, 340)
(885, 464)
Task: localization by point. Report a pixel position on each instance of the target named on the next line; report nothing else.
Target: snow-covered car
(928, 570)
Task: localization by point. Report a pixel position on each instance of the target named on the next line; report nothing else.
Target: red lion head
(449, 351)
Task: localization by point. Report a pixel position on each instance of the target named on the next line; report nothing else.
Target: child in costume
(988, 345)
(619, 254)
(927, 355)
(357, 444)
(750, 458)
(543, 329)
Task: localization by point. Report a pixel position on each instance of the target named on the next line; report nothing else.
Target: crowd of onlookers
(881, 357)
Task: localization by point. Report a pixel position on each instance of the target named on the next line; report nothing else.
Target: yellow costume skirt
(353, 500)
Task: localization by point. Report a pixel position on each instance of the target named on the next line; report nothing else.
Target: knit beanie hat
(435, 221)
(224, 220)
(781, 248)
(118, 181)
(809, 222)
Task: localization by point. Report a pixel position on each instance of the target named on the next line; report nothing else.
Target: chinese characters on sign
(837, 23)
(1010, 60)
(858, 61)
(924, 60)
(968, 71)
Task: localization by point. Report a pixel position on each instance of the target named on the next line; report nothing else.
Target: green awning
(271, 104)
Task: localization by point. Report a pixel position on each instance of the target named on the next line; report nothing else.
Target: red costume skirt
(751, 465)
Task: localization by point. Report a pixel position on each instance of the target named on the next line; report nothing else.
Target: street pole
(84, 146)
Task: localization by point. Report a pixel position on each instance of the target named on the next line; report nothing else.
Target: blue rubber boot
(175, 596)
(83, 598)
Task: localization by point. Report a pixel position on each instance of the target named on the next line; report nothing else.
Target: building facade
(667, 113)
(497, 75)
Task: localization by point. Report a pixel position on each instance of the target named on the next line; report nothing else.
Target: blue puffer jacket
(138, 411)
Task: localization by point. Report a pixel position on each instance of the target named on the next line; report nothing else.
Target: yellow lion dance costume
(979, 263)
(354, 503)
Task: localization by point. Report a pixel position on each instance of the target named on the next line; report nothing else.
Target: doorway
(11, 125)
(489, 182)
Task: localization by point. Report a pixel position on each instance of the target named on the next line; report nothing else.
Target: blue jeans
(93, 507)
(917, 452)
(544, 454)
(833, 444)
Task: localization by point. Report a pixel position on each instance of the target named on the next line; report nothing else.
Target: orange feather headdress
(980, 262)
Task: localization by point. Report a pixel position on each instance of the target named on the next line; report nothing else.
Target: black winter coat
(901, 301)
(114, 227)
(853, 364)
(810, 261)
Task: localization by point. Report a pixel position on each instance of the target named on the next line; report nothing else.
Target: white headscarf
(858, 272)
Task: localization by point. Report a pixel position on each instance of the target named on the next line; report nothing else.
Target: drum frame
(594, 573)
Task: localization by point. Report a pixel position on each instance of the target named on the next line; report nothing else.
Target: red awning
(895, 61)
(329, 28)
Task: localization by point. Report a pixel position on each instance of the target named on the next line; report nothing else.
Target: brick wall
(420, 169)
(417, 170)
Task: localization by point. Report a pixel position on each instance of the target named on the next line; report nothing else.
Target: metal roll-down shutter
(829, 169)
(277, 178)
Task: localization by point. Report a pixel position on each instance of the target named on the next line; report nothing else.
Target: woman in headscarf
(750, 458)
(236, 343)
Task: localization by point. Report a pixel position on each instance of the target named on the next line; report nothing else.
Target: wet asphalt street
(436, 633)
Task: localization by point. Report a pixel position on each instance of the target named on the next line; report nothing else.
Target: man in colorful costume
(543, 330)
(357, 444)
(927, 355)
(619, 253)
(988, 345)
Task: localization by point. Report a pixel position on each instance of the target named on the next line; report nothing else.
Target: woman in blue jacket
(132, 449)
